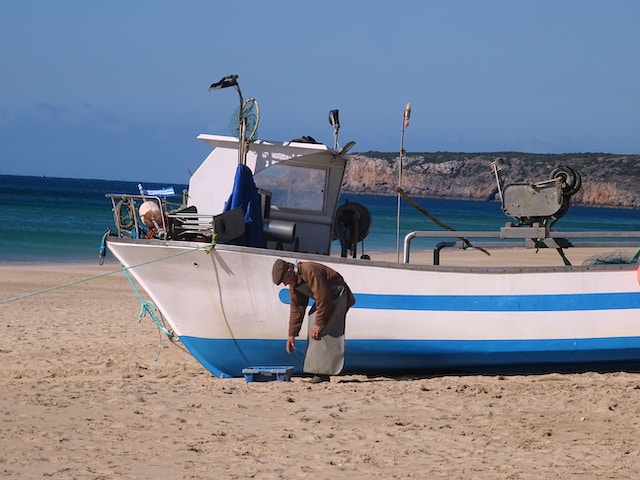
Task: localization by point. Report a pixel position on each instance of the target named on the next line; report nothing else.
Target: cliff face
(607, 180)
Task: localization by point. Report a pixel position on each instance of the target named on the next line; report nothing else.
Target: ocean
(62, 220)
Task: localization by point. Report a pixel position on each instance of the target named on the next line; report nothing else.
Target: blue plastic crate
(267, 374)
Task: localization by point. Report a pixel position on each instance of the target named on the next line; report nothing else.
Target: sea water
(44, 219)
(469, 215)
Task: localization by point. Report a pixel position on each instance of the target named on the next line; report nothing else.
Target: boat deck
(511, 257)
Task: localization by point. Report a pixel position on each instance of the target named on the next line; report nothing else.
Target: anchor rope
(206, 248)
(147, 307)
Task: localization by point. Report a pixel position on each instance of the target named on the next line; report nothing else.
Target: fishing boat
(206, 266)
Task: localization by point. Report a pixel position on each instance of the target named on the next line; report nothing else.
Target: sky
(118, 90)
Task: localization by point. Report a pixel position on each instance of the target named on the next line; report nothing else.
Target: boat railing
(152, 216)
(186, 223)
(535, 236)
(139, 216)
(191, 225)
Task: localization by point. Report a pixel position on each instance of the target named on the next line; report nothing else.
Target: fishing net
(613, 258)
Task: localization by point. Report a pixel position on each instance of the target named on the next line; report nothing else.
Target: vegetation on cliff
(607, 179)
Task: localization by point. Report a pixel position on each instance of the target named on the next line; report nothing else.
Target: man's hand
(315, 332)
(291, 344)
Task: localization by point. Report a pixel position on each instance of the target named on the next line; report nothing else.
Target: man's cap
(279, 269)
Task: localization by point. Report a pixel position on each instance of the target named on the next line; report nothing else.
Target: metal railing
(524, 237)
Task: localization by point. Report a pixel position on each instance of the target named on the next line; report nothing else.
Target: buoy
(150, 214)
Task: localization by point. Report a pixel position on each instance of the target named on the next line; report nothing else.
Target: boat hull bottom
(227, 357)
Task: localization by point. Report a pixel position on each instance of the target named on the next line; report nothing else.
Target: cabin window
(294, 187)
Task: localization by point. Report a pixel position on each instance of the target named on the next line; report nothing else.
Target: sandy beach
(89, 392)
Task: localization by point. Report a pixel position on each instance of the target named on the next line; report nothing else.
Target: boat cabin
(298, 182)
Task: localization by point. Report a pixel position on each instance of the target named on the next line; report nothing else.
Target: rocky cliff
(607, 180)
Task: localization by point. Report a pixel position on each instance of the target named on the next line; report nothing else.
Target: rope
(207, 248)
(413, 203)
(56, 287)
(103, 246)
(146, 307)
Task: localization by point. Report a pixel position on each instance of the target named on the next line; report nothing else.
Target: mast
(405, 123)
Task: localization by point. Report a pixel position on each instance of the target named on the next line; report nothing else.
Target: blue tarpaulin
(245, 195)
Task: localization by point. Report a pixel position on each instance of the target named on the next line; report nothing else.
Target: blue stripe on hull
(501, 303)
(227, 358)
(494, 303)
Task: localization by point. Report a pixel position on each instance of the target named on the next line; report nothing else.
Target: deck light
(232, 81)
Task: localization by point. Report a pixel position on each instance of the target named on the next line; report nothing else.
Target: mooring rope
(57, 287)
(146, 307)
(207, 248)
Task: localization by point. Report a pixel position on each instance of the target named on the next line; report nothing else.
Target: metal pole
(400, 185)
(232, 81)
(405, 123)
(242, 129)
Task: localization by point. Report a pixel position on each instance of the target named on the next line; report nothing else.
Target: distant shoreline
(607, 180)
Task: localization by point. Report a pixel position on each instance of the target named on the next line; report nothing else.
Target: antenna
(406, 115)
(334, 120)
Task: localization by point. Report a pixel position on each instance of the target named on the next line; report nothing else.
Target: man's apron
(326, 355)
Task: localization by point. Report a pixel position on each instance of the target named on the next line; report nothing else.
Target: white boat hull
(222, 305)
(280, 198)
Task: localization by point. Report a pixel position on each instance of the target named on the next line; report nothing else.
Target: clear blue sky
(119, 89)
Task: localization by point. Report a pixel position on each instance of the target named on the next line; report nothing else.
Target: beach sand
(82, 396)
